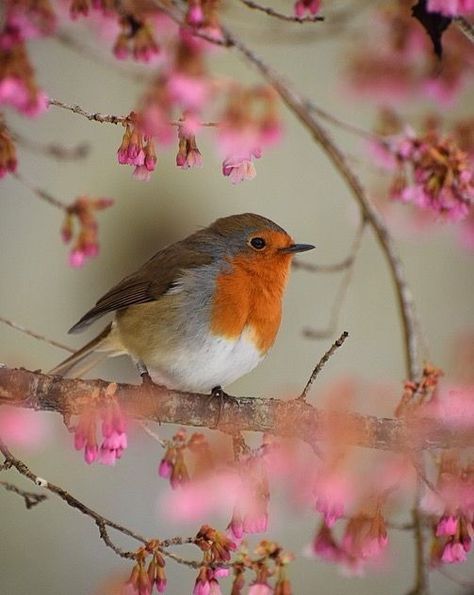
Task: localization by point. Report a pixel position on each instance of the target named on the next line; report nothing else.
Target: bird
(200, 313)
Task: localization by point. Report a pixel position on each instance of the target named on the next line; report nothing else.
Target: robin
(201, 312)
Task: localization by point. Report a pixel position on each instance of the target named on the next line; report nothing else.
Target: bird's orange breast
(250, 295)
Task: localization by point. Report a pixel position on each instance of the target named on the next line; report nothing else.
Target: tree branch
(31, 498)
(295, 418)
(279, 15)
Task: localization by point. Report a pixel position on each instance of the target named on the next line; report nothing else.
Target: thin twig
(465, 27)
(54, 150)
(93, 116)
(323, 268)
(35, 335)
(322, 362)
(337, 303)
(43, 194)
(31, 499)
(152, 434)
(102, 522)
(279, 15)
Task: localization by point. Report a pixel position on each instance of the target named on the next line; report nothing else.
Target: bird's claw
(218, 393)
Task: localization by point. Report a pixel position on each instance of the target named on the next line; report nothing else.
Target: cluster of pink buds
(26, 19)
(396, 63)
(248, 124)
(18, 86)
(86, 244)
(215, 544)
(206, 581)
(113, 432)
(85, 436)
(269, 552)
(188, 153)
(82, 7)
(8, 160)
(136, 38)
(364, 540)
(143, 580)
(137, 149)
(433, 173)
(419, 393)
(452, 8)
(172, 465)
(250, 514)
(304, 7)
(204, 15)
(452, 505)
(453, 539)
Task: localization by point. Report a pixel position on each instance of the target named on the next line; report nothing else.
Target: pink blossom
(165, 468)
(447, 525)
(450, 8)
(200, 497)
(260, 589)
(188, 92)
(13, 92)
(331, 493)
(238, 169)
(453, 553)
(22, 428)
(156, 123)
(195, 15)
(325, 546)
(77, 258)
(115, 437)
(307, 6)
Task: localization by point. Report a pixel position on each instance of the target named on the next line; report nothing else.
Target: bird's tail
(101, 346)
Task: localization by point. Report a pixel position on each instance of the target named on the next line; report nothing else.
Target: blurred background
(52, 548)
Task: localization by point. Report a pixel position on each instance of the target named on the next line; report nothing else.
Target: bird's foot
(218, 393)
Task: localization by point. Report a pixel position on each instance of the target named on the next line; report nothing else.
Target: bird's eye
(258, 243)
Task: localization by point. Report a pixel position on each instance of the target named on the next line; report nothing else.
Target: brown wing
(147, 284)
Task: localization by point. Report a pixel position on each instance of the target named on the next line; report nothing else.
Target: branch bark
(294, 418)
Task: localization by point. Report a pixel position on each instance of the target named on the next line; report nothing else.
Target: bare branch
(102, 522)
(295, 418)
(279, 15)
(31, 498)
(95, 117)
(54, 150)
(40, 193)
(24, 330)
(322, 362)
(465, 27)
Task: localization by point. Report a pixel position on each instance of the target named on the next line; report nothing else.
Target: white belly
(214, 362)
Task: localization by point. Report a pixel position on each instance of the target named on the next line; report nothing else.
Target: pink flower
(22, 428)
(238, 169)
(325, 546)
(331, 491)
(115, 437)
(450, 8)
(306, 6)
(260, 589)
(365, 537)
(188, 92)
(165, 468)
(453, 553)
(13, 92)
(447, 525)
(85, 436)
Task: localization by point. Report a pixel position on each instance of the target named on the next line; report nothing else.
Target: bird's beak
(294, 248)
